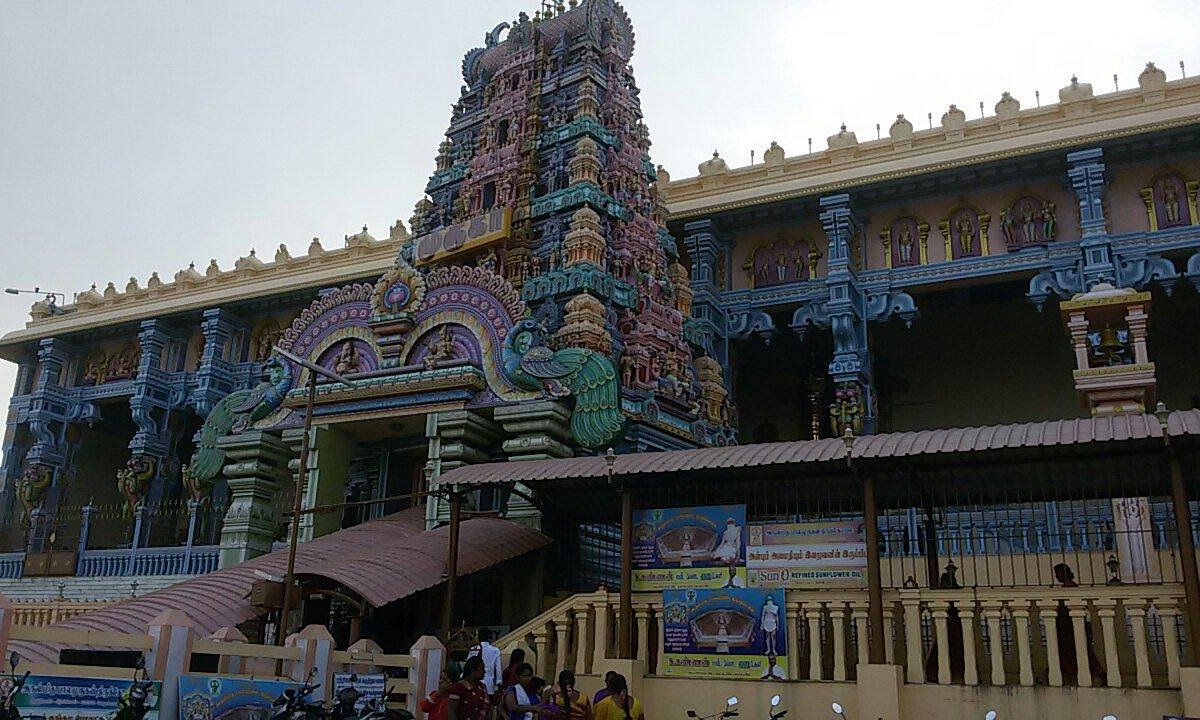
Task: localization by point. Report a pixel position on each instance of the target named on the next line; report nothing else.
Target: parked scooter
(376, 709)
(729, 711)
(8, 703)
(295, 703)
(344, 704)
(134, 702)
(774, 714)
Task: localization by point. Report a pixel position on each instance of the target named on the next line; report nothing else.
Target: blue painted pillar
(1086, 171)
(710, 259)
(851, 368)
(48, 405)
(214, 375)
(151, 392)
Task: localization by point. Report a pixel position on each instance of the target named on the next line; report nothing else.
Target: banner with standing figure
(726, 633)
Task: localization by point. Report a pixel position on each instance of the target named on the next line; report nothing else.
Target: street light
(50, 296)
(837, 709)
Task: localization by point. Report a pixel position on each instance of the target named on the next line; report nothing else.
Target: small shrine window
(502, 133)
(489, 196)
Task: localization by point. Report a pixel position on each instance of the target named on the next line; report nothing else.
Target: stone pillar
(148, 403)
(214, 374)
(1086, 171)
(330, 452)
(256, 467)
(229, 664)
(170, 655)
(912, 636)
(456, 438)
(429, 657)
(534, 431)
(47, 405)
(850, 368)
(879, 691)
(316, 651)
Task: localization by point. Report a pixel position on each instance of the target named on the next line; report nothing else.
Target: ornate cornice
(1050, 127)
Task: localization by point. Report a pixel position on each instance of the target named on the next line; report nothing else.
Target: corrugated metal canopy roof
(382, 560)
(885, 445)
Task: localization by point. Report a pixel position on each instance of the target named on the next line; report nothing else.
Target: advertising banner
(368, 686)
(805, 555)
(696, 547)
(727, 633)
(213, 697)
(46, 697)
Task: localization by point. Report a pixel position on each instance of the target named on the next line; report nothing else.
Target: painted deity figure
(904, 245)
(1007, 224)
(966, 235)
(1028, 225)
(1049, 222)
(348, 360)
(1171, 203)
(781, 266)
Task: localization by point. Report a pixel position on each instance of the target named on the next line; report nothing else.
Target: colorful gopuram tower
(545, 180)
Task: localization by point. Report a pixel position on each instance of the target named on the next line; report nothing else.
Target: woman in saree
(564, 702)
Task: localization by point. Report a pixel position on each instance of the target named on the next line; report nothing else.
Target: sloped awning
(923, 443)
(382, 560)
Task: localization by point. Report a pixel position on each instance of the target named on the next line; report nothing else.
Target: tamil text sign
(75, 698)
(798, 555)
(727, 633)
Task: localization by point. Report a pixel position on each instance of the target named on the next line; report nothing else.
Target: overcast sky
(139, 136)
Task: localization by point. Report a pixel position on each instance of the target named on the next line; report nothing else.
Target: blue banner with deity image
(213, 697)
(694, 547)
(727, 633)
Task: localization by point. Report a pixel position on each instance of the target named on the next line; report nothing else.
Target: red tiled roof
(885, 445)
(382, 560)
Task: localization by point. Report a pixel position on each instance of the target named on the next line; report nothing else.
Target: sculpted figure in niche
(781, 266)
(348, 360)
(904, 245)
(1049, 223)
(1028, 225)
(966, 235)
(1171, 203)
(1006, 223)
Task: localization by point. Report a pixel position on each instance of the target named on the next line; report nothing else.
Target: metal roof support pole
(625, 616)
(876, 648)
(1187, 548)
(452, 563)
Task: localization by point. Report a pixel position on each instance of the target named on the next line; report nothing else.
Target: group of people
(485, 691)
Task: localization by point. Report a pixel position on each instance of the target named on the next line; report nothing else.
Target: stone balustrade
(1123, 635)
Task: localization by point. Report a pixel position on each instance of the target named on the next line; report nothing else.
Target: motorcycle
(294, 703)
(346, 701)
(729, 711)
(134, 702)
(8, 703)
(774, 714)
(376, 709)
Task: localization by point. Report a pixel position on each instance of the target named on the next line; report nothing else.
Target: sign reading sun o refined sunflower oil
(800, 555)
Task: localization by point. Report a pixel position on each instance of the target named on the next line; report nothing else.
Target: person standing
(493, 672)
(510, 673)
(468, 699)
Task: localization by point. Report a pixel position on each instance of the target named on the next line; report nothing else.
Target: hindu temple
(970, 347)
